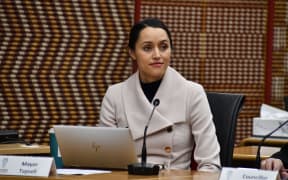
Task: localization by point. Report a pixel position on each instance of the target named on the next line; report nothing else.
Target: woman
(182, 119)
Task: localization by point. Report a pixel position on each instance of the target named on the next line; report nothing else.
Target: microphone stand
(145, 168)
(156, 102)
(144, 151)
(258, 157)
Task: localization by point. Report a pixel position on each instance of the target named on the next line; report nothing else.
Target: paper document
(228, 173)
(270, 118)
(271, 112)
(81, 171)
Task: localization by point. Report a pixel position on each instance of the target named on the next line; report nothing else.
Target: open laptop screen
(95, 147)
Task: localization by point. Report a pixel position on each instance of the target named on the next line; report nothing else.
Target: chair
(286, 102)
(225, 108)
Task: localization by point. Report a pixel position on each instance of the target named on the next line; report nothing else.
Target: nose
(156, 53)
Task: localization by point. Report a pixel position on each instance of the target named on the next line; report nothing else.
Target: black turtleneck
(150, 89)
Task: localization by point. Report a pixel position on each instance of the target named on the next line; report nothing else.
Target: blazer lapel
(138, 108)
(172, 94)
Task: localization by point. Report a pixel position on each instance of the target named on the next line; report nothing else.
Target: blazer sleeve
(207, 149)
(107, 112)
(282, 155)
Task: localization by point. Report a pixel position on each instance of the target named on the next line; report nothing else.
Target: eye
(147, 48)
(163, 47)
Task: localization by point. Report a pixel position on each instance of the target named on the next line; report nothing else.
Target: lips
(157, 64)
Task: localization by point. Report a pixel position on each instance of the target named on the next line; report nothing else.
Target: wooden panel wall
(220, 44)
(57, 59)
(280, 55)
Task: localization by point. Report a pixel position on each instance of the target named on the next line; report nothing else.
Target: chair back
(286, 102)
(225, 108)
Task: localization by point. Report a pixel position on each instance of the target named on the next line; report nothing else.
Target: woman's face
(152, 54)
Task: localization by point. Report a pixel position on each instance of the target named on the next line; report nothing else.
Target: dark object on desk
(143, 169)
(282, 155)
(225, 108)
(54, 150)
(9, 136)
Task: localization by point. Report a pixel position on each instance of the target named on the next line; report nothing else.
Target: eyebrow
(165, 40)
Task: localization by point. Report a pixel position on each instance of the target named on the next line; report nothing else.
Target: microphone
(258, 159)
(145, 168)
(156, 103)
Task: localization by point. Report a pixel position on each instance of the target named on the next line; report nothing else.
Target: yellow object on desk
(248, 153)
(250, 141)
(245, 156)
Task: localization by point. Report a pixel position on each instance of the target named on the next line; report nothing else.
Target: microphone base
(143, 169)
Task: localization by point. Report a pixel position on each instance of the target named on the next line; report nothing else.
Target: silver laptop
(95, 147)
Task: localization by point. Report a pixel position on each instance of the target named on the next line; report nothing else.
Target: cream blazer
(182, 119)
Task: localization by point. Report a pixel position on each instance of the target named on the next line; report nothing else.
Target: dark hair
(149, 22)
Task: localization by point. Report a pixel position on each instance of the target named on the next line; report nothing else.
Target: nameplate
(27, 166)
(248, 174)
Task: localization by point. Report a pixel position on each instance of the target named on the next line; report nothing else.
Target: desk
(245, 156)
(268, 142)
(248, 153)
(22, 149)
(123, 175)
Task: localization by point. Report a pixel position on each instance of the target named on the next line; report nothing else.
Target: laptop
(95, 147)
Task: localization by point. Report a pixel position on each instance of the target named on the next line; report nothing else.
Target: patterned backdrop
(57, 59)
(220, 44)
(279, 77)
